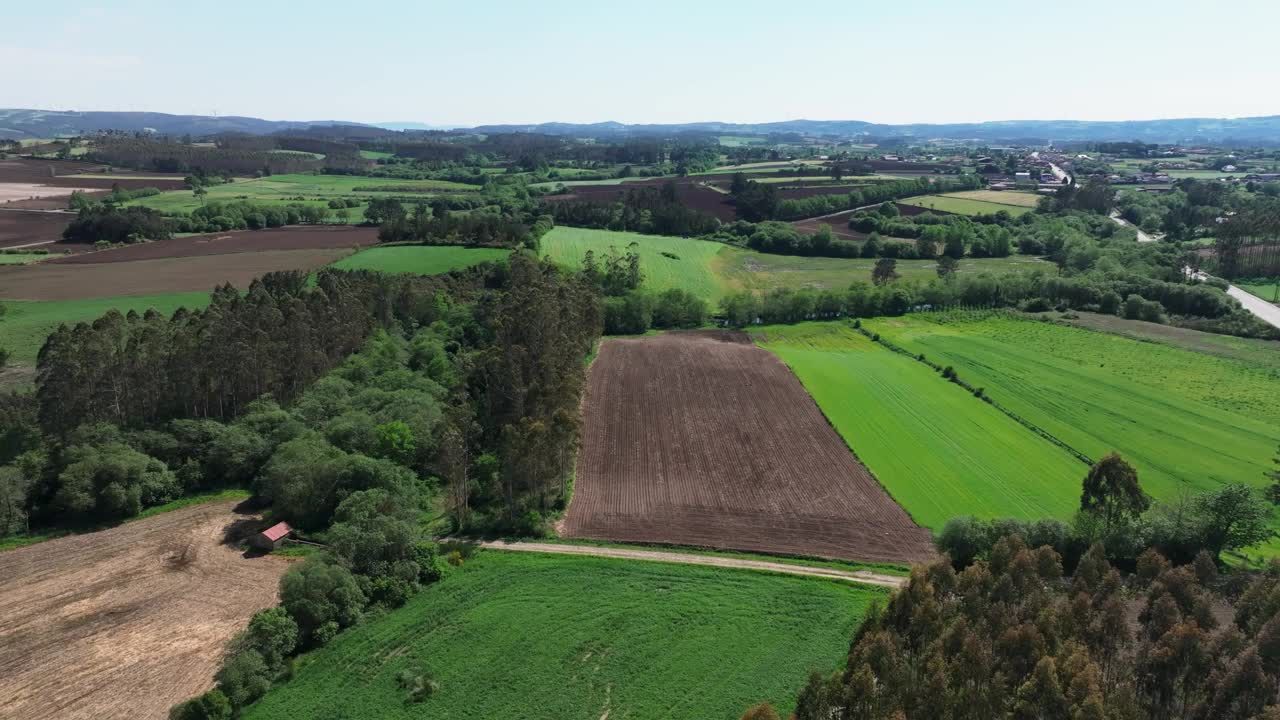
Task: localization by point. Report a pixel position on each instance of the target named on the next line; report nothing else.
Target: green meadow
(939, 451)
(712, 270)
(1188, 421)
(419, 259)
(540, 636)
(27, 323)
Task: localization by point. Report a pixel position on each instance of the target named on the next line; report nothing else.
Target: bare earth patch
(704, 439)
(79, 281)
(126, 622)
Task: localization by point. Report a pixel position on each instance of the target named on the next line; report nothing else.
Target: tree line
(1032, 620)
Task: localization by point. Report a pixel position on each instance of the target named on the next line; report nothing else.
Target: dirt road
(865, 577)
(126, 622)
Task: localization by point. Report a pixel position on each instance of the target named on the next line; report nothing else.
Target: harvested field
(22, 228)
(71, 175)
(704, 439)
(10, 192)
(75, 281)
(126, 622)
(294, 237)
(690, 192)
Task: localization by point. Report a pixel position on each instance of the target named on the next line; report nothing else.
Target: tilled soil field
(689, 192)
(22, 228)
(63, 280)
(295, 237)
(126, 622)
(704, 439)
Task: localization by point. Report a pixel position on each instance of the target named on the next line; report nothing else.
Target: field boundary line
(977, 394)
(864, 577)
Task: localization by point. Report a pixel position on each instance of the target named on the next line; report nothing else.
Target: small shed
(272, 537)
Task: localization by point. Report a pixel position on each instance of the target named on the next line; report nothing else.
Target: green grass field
(962, 206)
(712, 270)
(20, 258)
(939, 451)
(284, 189)
(689, 269)
(543, 636)
(419, 259)
(27, 323)
(1188, 421)
(1269, 292)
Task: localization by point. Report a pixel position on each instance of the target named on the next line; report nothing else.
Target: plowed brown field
(79, 281)
(704, 439)
(126, 622)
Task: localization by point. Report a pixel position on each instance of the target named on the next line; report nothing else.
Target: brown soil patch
(77, 281)
(21, 228)
(297, 237)
(705, 439)
(55, 172)
(126, 622)
(33, 191)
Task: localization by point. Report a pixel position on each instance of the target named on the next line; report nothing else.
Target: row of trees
(646, 210)
(276, 339)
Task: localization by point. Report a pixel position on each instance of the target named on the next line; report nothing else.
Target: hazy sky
(467, 62)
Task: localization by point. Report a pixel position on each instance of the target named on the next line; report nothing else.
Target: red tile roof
(277, 531)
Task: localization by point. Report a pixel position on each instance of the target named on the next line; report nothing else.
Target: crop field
(419, 259)
(703, 439)
(27, 323)
(128, 621)
(1188, 421)
(667, 262)
(935, 448)
(25, 228)
(376, 155)
(1250, 350)
(962, 206)
(283, 189)
(292, 237)
(544, 637)
(78, 281)
(999, 197)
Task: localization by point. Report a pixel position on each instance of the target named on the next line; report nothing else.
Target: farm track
(704, 439)
(125, 622)
(865, 577)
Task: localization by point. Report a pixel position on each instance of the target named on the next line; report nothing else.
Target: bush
(322, 598)
(244, 678)
(212, 705)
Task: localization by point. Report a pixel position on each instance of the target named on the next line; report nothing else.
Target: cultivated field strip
(704, 439)
(125, 622)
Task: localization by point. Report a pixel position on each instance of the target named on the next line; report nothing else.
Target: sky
(471, 62)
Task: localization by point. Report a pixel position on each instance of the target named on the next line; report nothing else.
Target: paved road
(1264, 310)
(1142, 237)
(864, 577)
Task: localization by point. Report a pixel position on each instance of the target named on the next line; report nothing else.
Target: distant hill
(18, 124)
(1256, 130)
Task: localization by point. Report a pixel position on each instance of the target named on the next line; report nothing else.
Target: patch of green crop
(939, 451)
(1188, 421)
(27, 323)
(419, 259)
(541, 636)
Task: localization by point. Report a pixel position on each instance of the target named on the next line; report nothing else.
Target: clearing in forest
(548, 637)
(703, 439)
(126, 622)
(938, 450)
